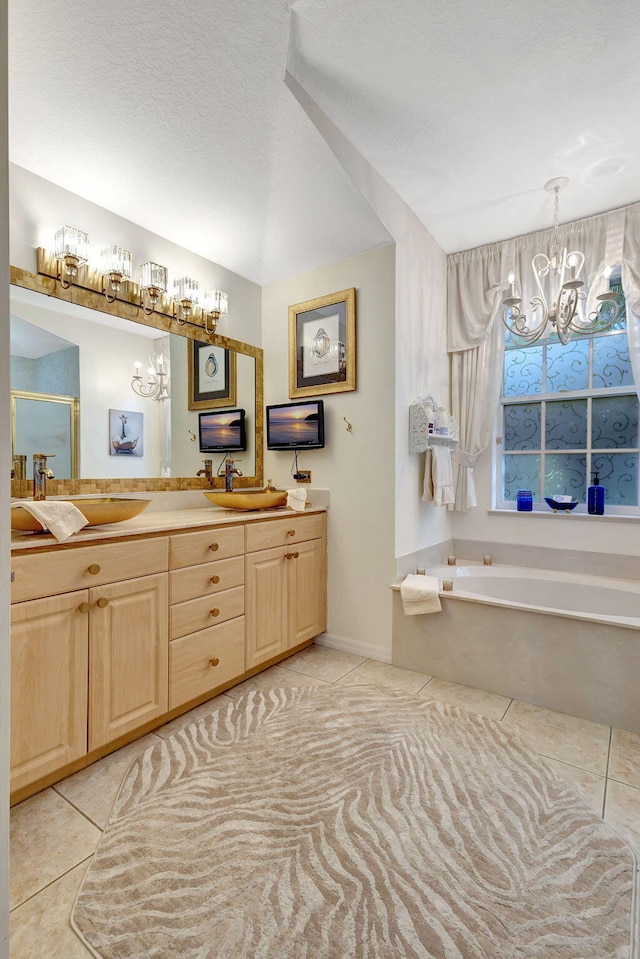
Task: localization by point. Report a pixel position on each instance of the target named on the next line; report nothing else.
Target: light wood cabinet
(285, 587)
(49, 661)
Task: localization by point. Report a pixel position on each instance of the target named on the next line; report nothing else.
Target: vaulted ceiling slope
(176, 117)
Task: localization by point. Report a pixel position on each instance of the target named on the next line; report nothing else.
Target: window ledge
(549, 514)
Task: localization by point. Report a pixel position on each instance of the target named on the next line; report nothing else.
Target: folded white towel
(420, 594)
(59, 517)
(296, 499)
(442, 476)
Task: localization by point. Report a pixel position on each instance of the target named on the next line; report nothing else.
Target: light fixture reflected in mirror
(115, 265)
(215, 304)
(158, 383)
(153, 283)
(185, 296)
(71, 248)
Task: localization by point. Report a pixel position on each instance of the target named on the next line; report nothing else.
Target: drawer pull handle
(214, 662)
(102, 602)
(214, 547)
(215, 579)
(291, 532)
(94, 569)
(84, 607)
(214, 612)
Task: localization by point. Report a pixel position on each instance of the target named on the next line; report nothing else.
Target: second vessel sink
(98, 511)
(248, 499)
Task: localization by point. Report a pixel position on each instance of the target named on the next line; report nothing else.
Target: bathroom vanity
(116, 631)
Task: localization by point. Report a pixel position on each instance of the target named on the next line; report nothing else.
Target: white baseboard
(346, 645)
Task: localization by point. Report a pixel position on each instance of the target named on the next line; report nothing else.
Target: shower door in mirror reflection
(125, 431)
(46, 423)
(212, 376)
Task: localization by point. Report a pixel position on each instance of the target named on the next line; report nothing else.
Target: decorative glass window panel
(611, 362)
(614, 422)
(522, 426)
(566, 425)
(565, 475)
(618, 473)
(523, 371)
(520, 472)
(567, 367)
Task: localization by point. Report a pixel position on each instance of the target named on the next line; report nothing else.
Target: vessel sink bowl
(98, 510)
(248, 499)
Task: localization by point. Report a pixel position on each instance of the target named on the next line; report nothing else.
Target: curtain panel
(476, 282)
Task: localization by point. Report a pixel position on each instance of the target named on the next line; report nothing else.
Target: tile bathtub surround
(549, 557)
(55, 832)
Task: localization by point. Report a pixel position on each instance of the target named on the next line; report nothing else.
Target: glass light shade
(152, 275)
(215, 301)
(185, 289)
(71, 242)
(113, 259)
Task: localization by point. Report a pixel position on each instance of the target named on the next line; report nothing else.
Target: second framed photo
(322, 345)
(212, 376)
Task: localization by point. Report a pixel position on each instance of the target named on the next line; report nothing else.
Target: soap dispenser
(595, 497)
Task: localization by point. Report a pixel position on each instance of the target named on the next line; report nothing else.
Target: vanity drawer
(280, 532)
(68, 568)
(205, 660)
(205, 611)
(193, 581)
(188, 549)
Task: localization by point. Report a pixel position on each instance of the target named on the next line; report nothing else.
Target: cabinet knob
(94, 569)
(102, 602)
(295, 555)
(214, 661)
(84, 607)
(288, 555)
(215, 579)
(214, 547)
(214, 612)
(291, 532)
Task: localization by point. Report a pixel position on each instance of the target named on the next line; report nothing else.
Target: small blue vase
(524, 501)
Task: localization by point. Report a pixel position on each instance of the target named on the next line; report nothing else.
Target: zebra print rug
(352, 823)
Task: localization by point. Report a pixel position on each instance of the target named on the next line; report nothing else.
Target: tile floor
(54, 834)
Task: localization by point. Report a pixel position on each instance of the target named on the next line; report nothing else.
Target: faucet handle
(43, 456)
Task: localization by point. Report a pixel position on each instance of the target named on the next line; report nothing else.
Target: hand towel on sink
(420, 594)
(62, 519)
(296, 499)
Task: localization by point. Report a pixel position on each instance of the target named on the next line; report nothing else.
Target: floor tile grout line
(77, 808)
(606, 780)
(53, 881)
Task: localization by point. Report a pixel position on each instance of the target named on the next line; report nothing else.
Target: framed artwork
(212, 376)
(125, 433)
(322, 345)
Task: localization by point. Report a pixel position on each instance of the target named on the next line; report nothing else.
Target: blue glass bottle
(524, 501)
(595, 497)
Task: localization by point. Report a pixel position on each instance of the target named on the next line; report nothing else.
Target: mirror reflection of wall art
(125, 430)
(322, 345)
(212, 376)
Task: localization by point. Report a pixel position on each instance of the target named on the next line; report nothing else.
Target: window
(566, 413)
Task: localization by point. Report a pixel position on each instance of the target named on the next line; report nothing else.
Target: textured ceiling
(176, 117)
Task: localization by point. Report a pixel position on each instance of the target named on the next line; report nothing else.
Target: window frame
(542, 398)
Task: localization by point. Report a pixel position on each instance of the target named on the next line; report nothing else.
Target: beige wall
(358, 466)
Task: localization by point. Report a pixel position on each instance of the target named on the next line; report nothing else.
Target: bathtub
(560, 640)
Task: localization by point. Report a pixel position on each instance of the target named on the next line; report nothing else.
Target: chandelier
(562, 316)
(157, 385)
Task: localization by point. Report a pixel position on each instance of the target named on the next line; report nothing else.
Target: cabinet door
(128, 650)
(49, 662)
(306, 574)
(265, 605)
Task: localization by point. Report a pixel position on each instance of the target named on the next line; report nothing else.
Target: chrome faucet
(229, 472)
(41, 473)
(208, 471)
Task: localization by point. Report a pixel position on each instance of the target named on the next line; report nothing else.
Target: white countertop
(156, 522)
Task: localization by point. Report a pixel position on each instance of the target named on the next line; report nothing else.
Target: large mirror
(73, 371)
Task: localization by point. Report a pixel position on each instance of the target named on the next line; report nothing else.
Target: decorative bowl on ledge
(561, 503)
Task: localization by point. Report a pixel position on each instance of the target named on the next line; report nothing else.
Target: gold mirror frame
(86, 290)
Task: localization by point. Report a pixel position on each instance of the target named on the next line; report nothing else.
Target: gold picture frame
(322, 345)
(212, 376)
